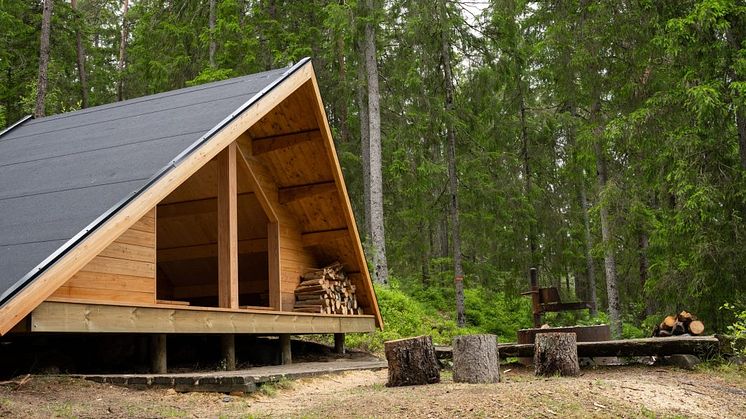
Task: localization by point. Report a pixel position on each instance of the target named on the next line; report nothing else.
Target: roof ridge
(154, 96)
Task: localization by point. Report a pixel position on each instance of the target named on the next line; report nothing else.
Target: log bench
(705, 347)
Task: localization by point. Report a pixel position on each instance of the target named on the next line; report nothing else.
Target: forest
(603, 143)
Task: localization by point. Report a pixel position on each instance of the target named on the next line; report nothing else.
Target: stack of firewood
(679, 324)
(328, 291)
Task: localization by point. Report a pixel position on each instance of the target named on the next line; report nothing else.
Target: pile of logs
(681, 324)
(326, 291)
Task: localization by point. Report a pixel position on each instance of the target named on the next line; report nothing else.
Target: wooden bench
(548, 299)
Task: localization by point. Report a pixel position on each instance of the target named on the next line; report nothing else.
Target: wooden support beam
(158, 350)
(209, 250)
(293, 193)
(273, 265)
(267, 144)
(81, 317)
(339, 343)
(228, 351)
(286, 354)
(313, 238)
(266, 200)
(227, 228)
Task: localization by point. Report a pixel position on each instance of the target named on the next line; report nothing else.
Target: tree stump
(411, 362)
(556, 353)
(475, 359)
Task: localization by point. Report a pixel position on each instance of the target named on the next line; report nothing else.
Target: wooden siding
(122, 272)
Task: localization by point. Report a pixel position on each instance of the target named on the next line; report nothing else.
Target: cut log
(684, 317)
(696, 327)
(668, 323)
(475, 359)
(411, 362)
(556, 353)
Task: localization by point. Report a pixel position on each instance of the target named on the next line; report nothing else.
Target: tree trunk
(122, 52)
(46, 28)
(344, 131)
(362, 101)
(378, 238)
(213, 45)
(411, 362)
(81, 59)
(556, 353)
(644, 268)
(734, 36)
(590, 266)
(475, 359)
(741, 123)
(612, 290)
(458, 270)
(527, 178)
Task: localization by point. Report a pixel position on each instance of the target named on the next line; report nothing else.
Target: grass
(170, 412)
(731, 373)
(270, 389)
(61, 410)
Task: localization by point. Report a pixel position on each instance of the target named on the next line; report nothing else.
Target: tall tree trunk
(612, 289)
(81, 59)
(46, 28)
(378, 238)
(589, 265)
(458, 270)
(122, 51)
(644, 269)
(344, 131)
(211, 23)
(741, 123)
(362, 101)
(734, 35)
(527, 176)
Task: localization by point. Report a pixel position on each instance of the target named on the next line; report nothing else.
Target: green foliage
(660, 87)
(737, 329)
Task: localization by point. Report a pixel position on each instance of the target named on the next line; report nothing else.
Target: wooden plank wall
(123, 272)
(294, 258)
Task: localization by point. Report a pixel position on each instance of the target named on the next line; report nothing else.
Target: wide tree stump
(411, 362)
(556, 353)
(475, 359)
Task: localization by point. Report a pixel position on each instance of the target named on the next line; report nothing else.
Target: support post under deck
(339, 343)
(228, 351)
(158, 359)
(286, 356)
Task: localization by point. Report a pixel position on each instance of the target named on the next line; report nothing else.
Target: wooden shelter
(191, 211)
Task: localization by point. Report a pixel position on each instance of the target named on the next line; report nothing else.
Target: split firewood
(327, 290)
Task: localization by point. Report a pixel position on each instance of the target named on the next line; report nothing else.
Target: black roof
(61, 176)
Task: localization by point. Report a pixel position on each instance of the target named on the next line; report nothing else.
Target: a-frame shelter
(190, 211)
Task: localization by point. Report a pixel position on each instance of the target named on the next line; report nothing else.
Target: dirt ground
(603, 392)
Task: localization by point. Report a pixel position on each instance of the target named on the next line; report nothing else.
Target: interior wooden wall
(313, 227)
(123, 272)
